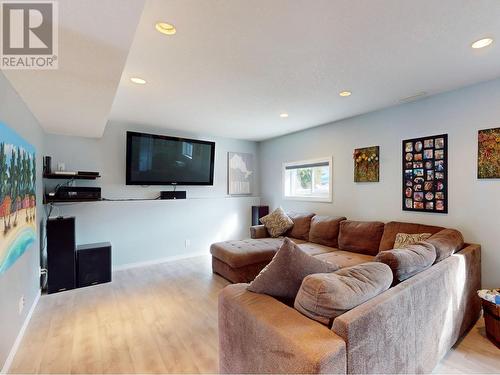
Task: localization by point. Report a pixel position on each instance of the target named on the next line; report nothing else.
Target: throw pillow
(282, 277)
(403, 239)
(323, 297)
(408, 261)
(277, 222)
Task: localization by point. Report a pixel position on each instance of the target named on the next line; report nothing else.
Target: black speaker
(47, 167)
(258, 212)
(173, 195)
(61, 254)
(93, 263)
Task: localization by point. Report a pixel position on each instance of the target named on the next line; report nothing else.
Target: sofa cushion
(325, 296)
(282, 277)
(394, 227)
(345, 258)
(251, 251)
(301, 225)
(315, 249)
(277, 222)
(446, 242)
(404, 239)
(325, 230)
(408, 261)
(360, 236)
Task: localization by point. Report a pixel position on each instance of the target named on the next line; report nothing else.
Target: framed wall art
(425, 174)
(488, 153)
(17, 197)
(366, 164)
(240, 173)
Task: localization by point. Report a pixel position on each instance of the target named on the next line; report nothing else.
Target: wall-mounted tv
(162, 160)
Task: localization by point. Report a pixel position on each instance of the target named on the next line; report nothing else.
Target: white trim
(20, 335)
(328, 199)
(172, 258)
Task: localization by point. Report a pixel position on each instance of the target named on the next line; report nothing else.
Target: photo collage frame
(425, 174)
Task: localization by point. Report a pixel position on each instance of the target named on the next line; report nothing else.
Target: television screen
(162, 160)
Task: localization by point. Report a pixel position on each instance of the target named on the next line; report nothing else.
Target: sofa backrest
(325, 230)
(301, 225)
(394, 227)
(360, 236)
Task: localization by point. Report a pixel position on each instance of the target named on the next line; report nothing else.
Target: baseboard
(19, 338)
(157, 261)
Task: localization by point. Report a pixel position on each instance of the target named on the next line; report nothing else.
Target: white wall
(22, 279)
(474, 205)
(142, 231)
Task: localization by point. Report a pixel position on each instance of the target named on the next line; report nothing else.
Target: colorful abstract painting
(488, 153)
(366, 164)
(17, 197)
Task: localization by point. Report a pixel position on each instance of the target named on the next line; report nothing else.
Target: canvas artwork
(366, 164)
(488, 153)
(425, 174)
(17, 197)
(240, 173)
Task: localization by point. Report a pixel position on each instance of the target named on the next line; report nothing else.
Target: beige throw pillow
(282, 277)
(405, 239)
(277, 222)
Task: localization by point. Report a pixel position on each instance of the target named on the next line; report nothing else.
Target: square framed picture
(425, 174)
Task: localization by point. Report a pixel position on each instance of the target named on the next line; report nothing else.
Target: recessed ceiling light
(283, 115)
(481, 43)
(138, 80)
(345, 93)
(165, 28)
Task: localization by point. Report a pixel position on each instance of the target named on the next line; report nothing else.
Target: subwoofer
(93, 263)
(61, 254)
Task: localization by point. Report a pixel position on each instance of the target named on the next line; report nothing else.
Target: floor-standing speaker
(61, 248)
(258, 212)
(93, 264)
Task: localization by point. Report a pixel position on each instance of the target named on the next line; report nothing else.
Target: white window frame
(328, 159)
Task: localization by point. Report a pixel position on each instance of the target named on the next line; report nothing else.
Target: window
(309, 180)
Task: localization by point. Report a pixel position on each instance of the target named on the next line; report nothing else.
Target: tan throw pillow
(403, 239)
(282, 277)
(277, 222)
(408, 261)
(323, 297)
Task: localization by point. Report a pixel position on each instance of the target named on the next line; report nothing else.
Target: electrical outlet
(187, 243)
(21, 305)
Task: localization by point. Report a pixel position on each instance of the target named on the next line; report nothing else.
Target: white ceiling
(235, 65)
(94, 41)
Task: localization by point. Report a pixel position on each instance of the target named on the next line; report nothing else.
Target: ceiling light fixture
(481, 43)
(138, 80)
(165, 28)
(283, 115)
(345, 93)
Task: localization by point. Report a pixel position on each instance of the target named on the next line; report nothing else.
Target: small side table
(93, 264)
(492, 321)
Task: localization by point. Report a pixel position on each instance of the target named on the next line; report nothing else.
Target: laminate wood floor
(161, 319)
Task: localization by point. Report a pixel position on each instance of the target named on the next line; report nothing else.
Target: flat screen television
(162, 160)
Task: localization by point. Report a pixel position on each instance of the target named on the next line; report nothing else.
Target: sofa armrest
(258, 231)
(258, 334)
(410, 327)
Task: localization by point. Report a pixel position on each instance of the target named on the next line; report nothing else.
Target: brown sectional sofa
(406, 329)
